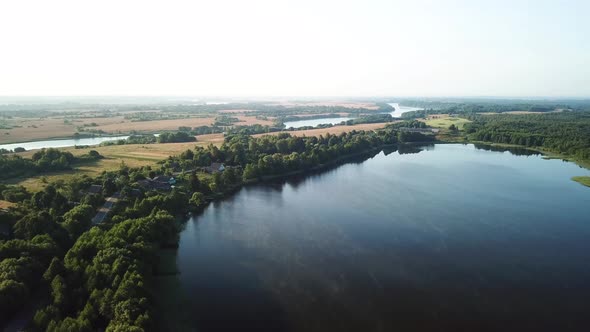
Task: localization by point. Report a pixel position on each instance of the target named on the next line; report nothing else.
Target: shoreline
(546, 154)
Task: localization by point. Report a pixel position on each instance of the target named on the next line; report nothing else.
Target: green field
(133, 155)
(444, 121)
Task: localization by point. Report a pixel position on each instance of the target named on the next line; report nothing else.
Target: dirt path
(105, 209)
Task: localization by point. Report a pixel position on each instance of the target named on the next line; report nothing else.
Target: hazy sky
(295, 48)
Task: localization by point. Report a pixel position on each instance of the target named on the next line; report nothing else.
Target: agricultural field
(333, 130)
(136, 155)
(132, 155)
(443, 121)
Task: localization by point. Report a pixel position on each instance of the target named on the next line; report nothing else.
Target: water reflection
(516, 151)
(453, 238)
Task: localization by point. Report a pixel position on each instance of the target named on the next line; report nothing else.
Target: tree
(250, 172)
(194, 183)
(13, 295)
(78, 219)
(94, 154)
(187, 155)
(55, 268)
(198, 200)
(108, 187)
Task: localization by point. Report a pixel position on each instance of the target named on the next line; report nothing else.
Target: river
(445, 238)
(397, 113)
(315, 122)
(61, 143)
(399, 110)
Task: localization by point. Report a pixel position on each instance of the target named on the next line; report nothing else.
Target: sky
(295, 48)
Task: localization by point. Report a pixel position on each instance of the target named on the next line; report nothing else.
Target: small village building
(95, 189)
(165, 179)
(161, 182)
(215, 168)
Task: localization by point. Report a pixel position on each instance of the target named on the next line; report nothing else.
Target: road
(105, 209)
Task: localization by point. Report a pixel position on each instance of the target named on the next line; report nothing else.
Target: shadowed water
(451, 238)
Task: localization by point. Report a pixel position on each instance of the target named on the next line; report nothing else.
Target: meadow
(444, 121)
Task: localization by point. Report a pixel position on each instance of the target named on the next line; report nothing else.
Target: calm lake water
(452, 238)
(315, 122)
(61, 143)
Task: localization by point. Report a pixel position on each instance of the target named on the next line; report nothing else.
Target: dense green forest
(567, 133)
(100, 277)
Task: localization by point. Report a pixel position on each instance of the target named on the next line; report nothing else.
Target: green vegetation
(252, 130)
(42, 161)
(466, 106)
(178, 137)
(225, 120)
(374, 118)
(565, 133)
(444, 121)
(202, 130)
(584, 180)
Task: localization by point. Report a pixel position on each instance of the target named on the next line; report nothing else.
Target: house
(149, 184)
(165, 179)
(95, 189)
(215, 168)
(161, 182)
(420, 130)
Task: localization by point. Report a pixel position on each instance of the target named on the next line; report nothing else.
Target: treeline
(170, 137)
(133, 139)
(479, 107)
(566, 133)
(374, 118)
(202, 130)
(177, 137)
(225, 120)
(44, 160)
(252, 129)
(283, 153)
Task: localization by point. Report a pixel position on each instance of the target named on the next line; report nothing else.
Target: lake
(61, 143)
(399, 110)
(315, 122)
(445, 237)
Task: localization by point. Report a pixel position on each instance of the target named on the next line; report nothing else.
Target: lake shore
(583, 180)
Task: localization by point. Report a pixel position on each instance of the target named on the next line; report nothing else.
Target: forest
(566, 133)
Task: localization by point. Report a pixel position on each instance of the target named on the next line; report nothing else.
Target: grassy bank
(444, 121)
(583, 180)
